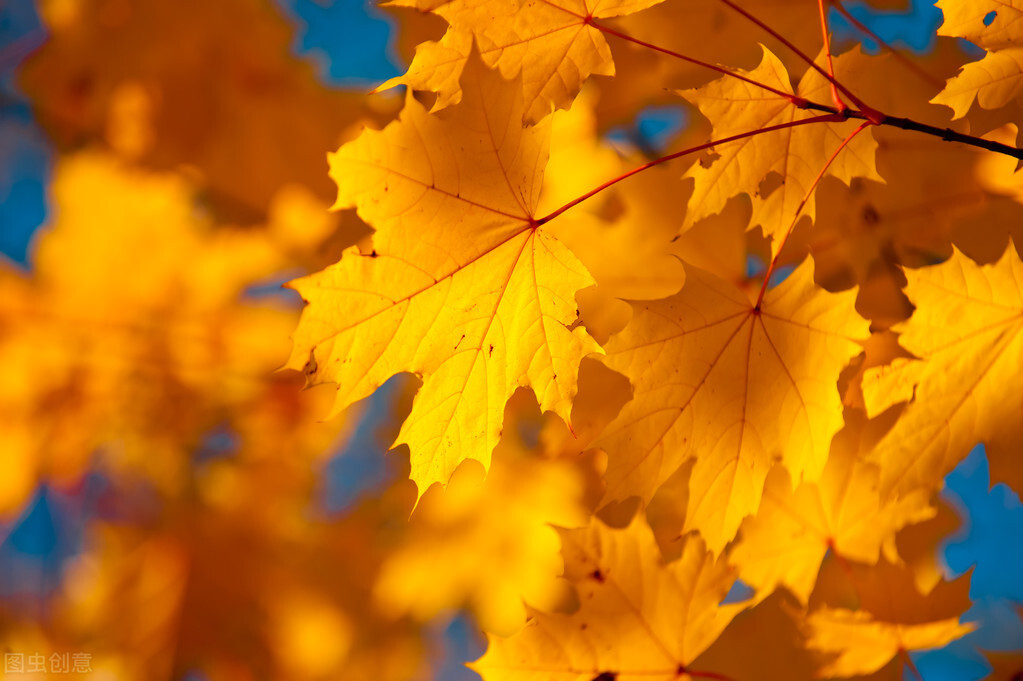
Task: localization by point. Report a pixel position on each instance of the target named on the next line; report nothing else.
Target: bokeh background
(260, 561)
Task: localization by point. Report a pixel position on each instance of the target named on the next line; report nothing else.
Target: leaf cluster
(761, 427)
(678, 409)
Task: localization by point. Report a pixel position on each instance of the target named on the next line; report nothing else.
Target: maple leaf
(934, 194)
(842, 512)
(796, 155)
(967, 333)
(866, 615)
(638, 618)
(550, 42)
(736, 387)
(462, 287)
(997, 79)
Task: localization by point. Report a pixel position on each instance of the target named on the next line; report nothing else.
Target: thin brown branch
(947, 134)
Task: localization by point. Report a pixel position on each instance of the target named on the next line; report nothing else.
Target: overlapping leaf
(787, 539)
(462, 288)
(866, 615)
(967, 331)
(735, 387)
(795, 155)
(864, 645)
(638, 618)
(551, 42)
(997, 79)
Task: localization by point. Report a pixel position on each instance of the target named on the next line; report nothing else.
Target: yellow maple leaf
(842, 512)
(795, 155)
(732, 386)
(997, 79)
(463, 287)
(550, 42)
(967, 331)
(638, 617)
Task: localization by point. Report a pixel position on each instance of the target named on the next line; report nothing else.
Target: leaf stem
(835, 97)
(829, 118)
(799, 210)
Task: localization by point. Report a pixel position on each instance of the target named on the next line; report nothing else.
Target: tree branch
(947, 134)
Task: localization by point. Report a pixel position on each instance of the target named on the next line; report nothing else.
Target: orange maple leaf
(795, 155)
(968, 333)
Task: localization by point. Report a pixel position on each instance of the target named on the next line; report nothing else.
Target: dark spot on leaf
(491, 353)
(870, 215)
(311, 366)
(606, 676)
(598, 575)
